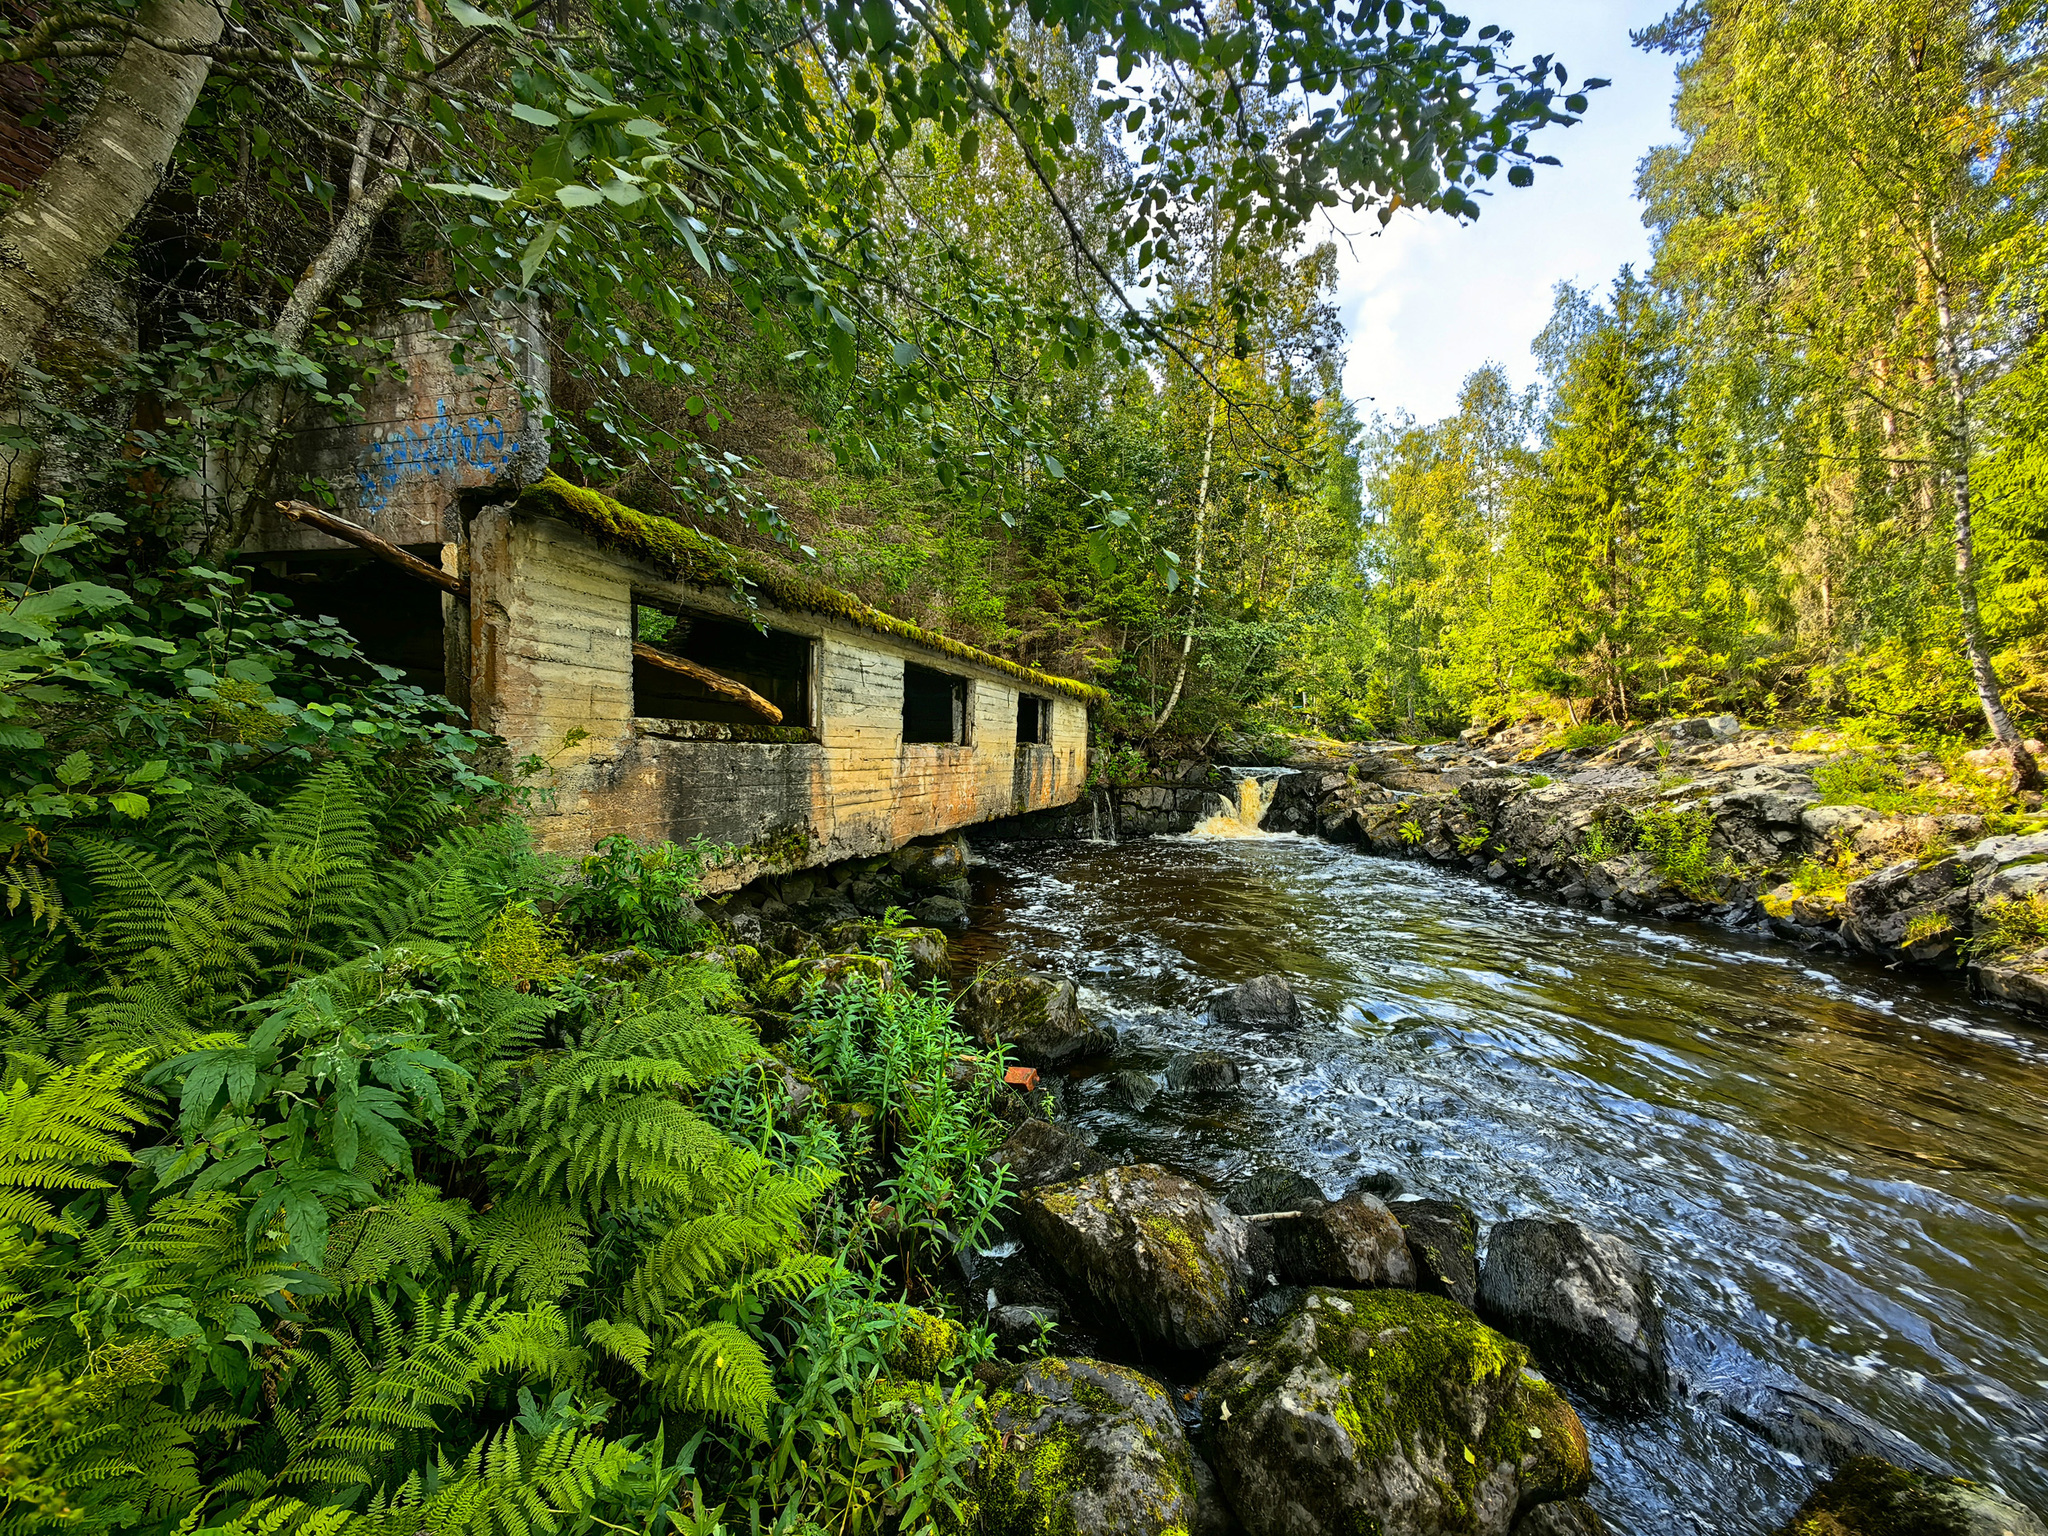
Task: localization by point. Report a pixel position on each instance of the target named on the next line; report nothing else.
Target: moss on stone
(1869, 1497)
(703, 561)
(924, 1344)
(1395, 1351)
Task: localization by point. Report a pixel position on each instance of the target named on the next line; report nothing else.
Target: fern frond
(60, 1133)
(717, 1369)
(535, 1247)
(404, 1231)
(626, 1342)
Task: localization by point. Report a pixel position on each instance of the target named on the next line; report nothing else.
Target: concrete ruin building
(675, 687)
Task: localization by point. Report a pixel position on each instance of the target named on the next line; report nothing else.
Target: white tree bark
(81, 205)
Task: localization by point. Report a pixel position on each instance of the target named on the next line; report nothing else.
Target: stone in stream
(1350, 1242)
(1272, 1189)
(1383, 1184)
(1264, 1002)
(922, 866)
(1201, 1072)
(1583, 1301)
(1083, 1446)
(1037, 1017)
(1018, 1329)
(1562, 1517)
(1132, 1090)
(1388, 1411)
(1146, 1249)
(1047, 1152)
(941, 912)
(1869, 1497)
(1443, 1239)
(1820, 1430)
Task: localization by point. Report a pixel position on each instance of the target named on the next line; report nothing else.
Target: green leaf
(906, 353)
(540, 117)
(469, 16)
(576, 195)
(470, 189)
(863, 125)
(1055, 468)
(537, 250)
(129, 804)
(842, 352)
(74, 770)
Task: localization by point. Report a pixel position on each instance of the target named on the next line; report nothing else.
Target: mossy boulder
(924, 866)
(1562, 1517)
(1150, 1252)
(1868, 1497)
(1264, 1002)
(923, 949)
(923, 1343)
(790, 982)
(1047, 1152)
(1079, 1447)
(1350, 1242)
(1273, 1189)
(1583, 1301)
(1037, 1017)
(1388, 1411)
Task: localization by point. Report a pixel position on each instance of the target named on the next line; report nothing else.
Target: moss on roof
(703, 561)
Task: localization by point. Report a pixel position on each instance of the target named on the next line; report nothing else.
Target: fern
(537, 1248)
(404, 1232)
(58, 1132)
(717, 1369)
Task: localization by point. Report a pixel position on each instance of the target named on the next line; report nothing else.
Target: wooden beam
(725, 687)
(383, 549)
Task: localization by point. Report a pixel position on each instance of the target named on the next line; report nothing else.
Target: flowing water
(1837, 1172)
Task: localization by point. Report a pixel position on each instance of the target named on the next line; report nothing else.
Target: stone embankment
(1903, 857)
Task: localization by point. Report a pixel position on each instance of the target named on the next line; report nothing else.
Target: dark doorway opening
(934, 705)
(1034, 720)
(774, 663)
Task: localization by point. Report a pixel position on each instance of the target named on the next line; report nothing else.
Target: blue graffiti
(445, 448)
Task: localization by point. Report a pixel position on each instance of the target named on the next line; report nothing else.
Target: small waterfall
(1095, 817)
(1253, 795)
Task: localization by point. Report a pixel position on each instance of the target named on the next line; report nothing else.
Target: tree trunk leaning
(84, 202)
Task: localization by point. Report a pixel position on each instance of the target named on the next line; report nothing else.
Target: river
(1837, 1172)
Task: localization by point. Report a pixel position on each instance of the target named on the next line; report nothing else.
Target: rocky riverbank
(1906, 856)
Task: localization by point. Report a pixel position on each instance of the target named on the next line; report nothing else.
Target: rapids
(1837, 1172)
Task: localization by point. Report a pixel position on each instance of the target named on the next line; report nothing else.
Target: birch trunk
(82, 204)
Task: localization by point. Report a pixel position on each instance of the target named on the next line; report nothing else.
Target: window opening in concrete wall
(1034, 720)
(396, 620)
(934, 705)
(774, 663)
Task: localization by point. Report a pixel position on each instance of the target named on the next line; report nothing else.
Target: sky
(1426, 301)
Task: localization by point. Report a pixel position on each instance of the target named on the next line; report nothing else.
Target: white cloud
(1425, 301)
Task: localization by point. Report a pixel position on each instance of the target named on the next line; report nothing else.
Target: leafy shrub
(1677, 844)
(1411, 832)
(1116, 767)
(1589, 737)
(1928, 925)
(1865, 779)
(2011, 924)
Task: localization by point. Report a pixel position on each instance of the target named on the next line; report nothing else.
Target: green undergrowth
(359, 1186)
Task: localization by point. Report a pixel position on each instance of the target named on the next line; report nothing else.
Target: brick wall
(551, 640)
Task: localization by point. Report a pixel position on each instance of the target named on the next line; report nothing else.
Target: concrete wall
(441, 427)
(551, 641)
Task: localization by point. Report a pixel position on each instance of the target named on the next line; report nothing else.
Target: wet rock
(924, 950)
(1264, 1002)
(1132, 1090)
(1274, 1305)
(1820, 1430)
(1047, 1152)
(1583, 1301)
(1018, 1329)
(2020, 978)
(1350, 1242)
(1869, 1497)
(1381, 1184)
(1078, 1445)
(1213, 1515)
(1201, 1072)
(1147, 1249)
(1388, 1411)
(1562, 1517)
(941, 912)
(1919, 908)
(1443, 1239)
(1036, 1016)
(924, 865)
(1273, 1189)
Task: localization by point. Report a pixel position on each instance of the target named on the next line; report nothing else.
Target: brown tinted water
(1837, 1171)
